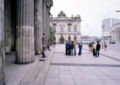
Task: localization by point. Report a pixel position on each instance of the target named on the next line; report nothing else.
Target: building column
(25, 31)
(44, 17)
(8, 28)
(48, 22)
(2, 54)
(38, 26)
(118, 35)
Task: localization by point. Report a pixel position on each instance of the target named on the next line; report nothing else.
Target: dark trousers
(80, 51)
(67, 51)
(94, 53)
(97, 53)
(43, 53)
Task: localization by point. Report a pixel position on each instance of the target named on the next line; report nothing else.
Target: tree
(52, 36)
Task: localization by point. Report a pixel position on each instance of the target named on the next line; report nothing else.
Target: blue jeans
(74, 51)
(80, 51)
(97, 52)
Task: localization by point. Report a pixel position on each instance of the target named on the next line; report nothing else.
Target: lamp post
(103, 24)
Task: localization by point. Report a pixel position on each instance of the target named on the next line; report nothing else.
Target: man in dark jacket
(67, 48)
(97, 48)
(80, 48)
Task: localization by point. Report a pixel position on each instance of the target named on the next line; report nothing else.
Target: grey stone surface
(82, 70)
(38, 26)
(2, 75)
(8, 28)
(44, 18)
(25, 31)
(27, 74)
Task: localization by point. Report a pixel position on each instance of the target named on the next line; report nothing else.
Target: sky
(92, 13)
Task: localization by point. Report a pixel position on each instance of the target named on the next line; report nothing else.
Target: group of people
(71, 48)
(94, 47)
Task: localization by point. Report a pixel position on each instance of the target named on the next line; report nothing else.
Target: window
(75, 38)
(54, 27)
(75, 28)
(69, 38)
(61, 29)
(69, 27)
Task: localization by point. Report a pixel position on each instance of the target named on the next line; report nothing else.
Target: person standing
(67, 48)
(98, 46)
(94, 47)
(43, 45)
(90, 46)
(105, 46)
(80, 48)
(48, 46)
(72, 47)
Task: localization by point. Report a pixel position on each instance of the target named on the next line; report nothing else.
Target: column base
(2, 79)
(38, 53)
(25, 62)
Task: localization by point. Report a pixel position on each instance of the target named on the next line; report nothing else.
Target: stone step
(37, 74)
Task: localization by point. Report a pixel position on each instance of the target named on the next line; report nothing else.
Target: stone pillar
(47, 22)
(44, 17)
(38, 26)
(25, 31)
(8, 28)
(2, 55)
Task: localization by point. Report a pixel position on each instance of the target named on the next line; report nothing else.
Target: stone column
(38, 26)
(44, 8)
(119, 35)
(47, 22)
(8, 28)
(25, 31)
(44, 17)
(2, 55)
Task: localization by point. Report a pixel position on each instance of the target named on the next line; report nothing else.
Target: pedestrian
(43, 45)
(80, 48)
(94, 47)
(72, 47)
(98, 46)
(90, 46)
(48, 45)
(67, 48)
(105, 46)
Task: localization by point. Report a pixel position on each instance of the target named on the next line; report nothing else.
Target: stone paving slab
(27, 74)
(72, 70)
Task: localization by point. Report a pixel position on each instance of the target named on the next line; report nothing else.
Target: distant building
(107, 25)
(88, 39)
(115, 32)
(66, 28)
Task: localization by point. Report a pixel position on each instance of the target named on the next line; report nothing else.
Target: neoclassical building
(66, 28)
(22, 24)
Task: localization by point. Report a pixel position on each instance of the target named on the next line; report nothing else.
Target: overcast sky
(92, 12)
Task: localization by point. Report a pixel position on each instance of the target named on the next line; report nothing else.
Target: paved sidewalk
(82, 70)
(27, 74)
(112, 51)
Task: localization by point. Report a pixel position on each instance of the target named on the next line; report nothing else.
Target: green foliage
(52, 35)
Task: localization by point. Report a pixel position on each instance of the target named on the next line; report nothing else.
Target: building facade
(115, 32)
(107, 25)
(22, 24)
(66, 28)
